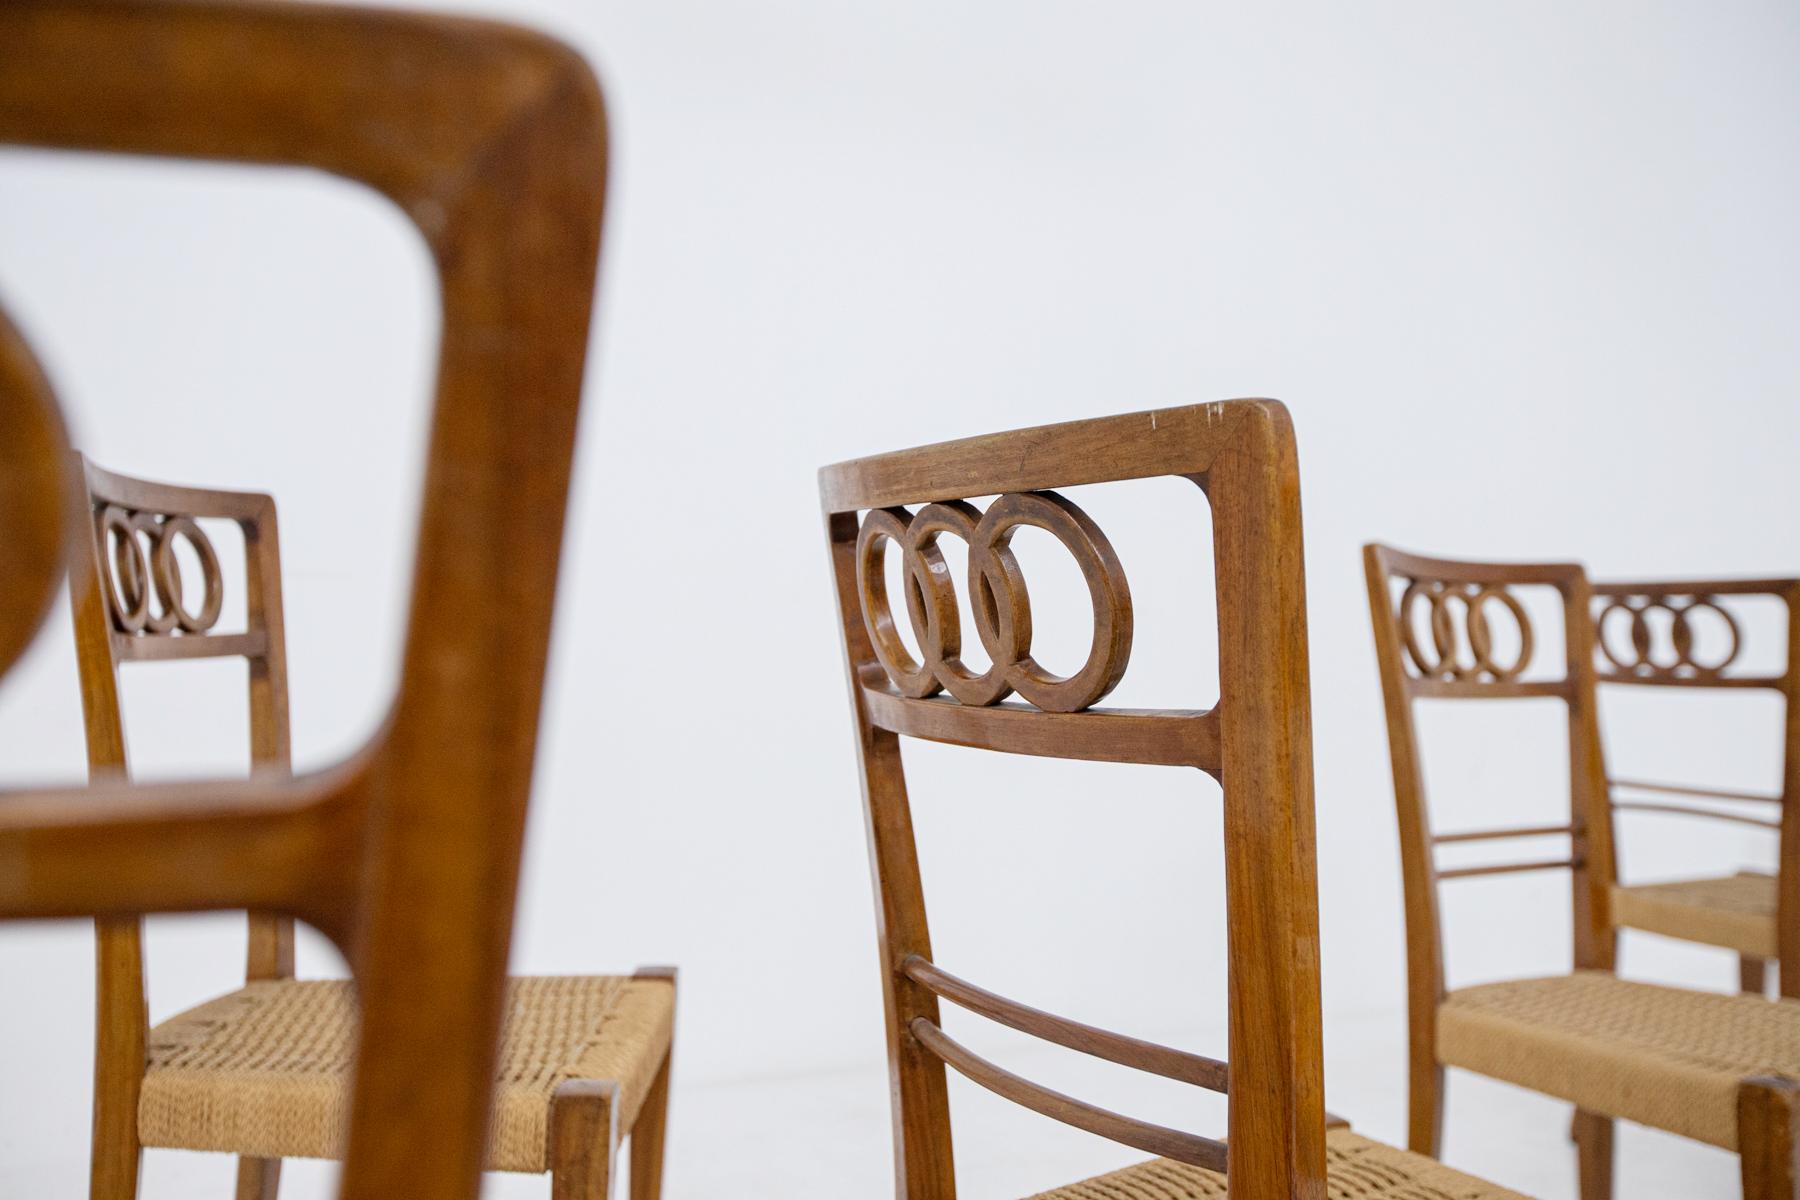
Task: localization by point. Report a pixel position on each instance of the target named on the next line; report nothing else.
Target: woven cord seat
(1355, 1169)
(1662, 1057)
(265, 1071)
(1733, 911)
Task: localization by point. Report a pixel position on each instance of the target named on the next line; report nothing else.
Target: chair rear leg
(584, 1138)
(1769, 1138)
(1594, 1155)
(119, 1054)
(1753, 975)
(258, 1178)
(1425, 1104)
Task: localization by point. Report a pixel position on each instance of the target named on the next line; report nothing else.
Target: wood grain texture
(492, 141)
(1257, 741)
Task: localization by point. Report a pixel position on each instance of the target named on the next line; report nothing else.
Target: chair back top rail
(491, 140)
(1633, 650)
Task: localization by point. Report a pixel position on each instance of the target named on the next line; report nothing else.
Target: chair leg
(1753, 975)
(115, 1154)
(1769, 1138)
(258, 1178)
(647, 1138)
(1425, 1104)
(651, 1126)
(1594, 1153)
(584, 1137)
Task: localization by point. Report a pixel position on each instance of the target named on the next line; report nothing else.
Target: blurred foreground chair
(1738, 911)
(265, 1071)
(1256, 742)
(405, 855)
(1720, 1069)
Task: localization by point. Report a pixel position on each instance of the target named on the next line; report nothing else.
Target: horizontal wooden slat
(1127, 1051)
(1682, 789)
(1163, 737)
(141, 494)
(1167, 441)
(1489, 835)
(1697, 587)
(1142, 1135)
(1506, 868)
(166, 648)
(1688, 810)
(1775, 682)
(1443, 689)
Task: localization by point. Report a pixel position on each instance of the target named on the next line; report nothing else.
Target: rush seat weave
(1735, 911)
(265, 1071)
(1355, 1169)
(1660, 1056)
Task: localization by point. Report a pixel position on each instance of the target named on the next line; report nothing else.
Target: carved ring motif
(142, 562)
(1442, 659)
(998, 598)
(1640, 656)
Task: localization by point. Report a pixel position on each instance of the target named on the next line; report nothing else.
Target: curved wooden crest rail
(1257, 742)
(492, 141)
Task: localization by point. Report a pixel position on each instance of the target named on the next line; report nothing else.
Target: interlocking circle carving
(1457, 618)
(998, 598)
(143, 579)
(1645, 655)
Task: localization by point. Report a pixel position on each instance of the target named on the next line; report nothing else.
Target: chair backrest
(1633, 650)
(406, 855)
(1435, 638)
(1256, 741)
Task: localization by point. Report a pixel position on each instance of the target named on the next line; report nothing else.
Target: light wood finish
(1257, 742)
(1455, 667)
(406, 855)
(1634, 651)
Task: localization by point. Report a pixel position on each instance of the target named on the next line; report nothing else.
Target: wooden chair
(264, 1071)
(1720, 1069)
(1737, 912)
(1257, 742)
(406, 854)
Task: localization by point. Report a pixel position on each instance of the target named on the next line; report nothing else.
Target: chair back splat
(491, 140)
(1633, 650)
(1257, 742)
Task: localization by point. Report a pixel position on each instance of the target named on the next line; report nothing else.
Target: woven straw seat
(1735, 911)
(1660, 1056)
(265, 1070)
(1355, 1169)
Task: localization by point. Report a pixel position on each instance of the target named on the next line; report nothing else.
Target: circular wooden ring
(167, 573)
(910, 676)
(1683, 635)
(991, 557)
(127, 572)
(942, 640)
(1605, 623)
(1429, 591)
(1481, 644)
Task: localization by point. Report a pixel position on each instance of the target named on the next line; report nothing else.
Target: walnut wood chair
(406, 854)
(1739, 911)
(1256, 742)
(264, 1071)
(1720, 1069)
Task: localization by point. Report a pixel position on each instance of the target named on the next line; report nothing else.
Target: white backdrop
(1524, 274)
